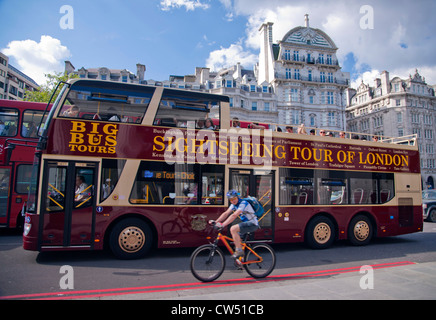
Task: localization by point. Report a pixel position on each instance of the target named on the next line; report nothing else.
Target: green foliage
(46, 90)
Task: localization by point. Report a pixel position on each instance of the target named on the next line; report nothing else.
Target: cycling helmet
(232, 194)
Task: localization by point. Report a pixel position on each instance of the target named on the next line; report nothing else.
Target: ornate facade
(394, 108)
(306, 77)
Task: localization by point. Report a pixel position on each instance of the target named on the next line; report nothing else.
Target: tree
(46, 90)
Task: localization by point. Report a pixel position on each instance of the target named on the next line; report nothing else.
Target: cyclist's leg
(234, 230)
(239, 230)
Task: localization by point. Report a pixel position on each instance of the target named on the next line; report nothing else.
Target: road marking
(83, 294)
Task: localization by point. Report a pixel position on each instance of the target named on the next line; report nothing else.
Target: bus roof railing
(301, 129)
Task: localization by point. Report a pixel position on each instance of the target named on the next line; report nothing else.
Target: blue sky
(175, 36)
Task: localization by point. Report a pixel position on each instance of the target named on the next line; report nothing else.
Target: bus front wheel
(320, 233)
(131, 239)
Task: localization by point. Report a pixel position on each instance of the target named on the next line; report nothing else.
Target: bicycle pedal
(238, 264)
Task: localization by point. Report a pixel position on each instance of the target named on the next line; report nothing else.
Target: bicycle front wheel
(207, 263)
(263, 268)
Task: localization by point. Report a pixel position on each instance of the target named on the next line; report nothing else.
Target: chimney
(306, 20)
(266, 59)
(140, 72)
(204, 75)
(386, 86)
(69, 68)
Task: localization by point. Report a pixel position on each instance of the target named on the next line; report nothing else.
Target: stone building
(397, 107)
(13, 82)
(306, 77)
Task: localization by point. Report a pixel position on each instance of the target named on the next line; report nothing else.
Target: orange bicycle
(208, 261)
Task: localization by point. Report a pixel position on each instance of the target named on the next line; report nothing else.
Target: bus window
(177, 109)
(110, 174)
(332, 191)
(110, 105)
(84, 189)
(8, 122)
(363, 189)
(160, 183)
(386, 189)
(24, 174)
(57, 178)
(4, 190)
(212, 183)
(31, 120)
(296, 186)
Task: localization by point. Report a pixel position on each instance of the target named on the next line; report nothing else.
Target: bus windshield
(106, 104)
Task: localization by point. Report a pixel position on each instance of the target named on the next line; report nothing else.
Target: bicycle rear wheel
(260, 269)
(207, 263)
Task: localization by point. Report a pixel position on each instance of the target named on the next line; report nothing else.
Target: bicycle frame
(224, 239)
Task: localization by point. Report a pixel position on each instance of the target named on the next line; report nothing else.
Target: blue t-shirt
(247, 211)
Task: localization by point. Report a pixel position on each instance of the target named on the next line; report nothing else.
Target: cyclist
(238, 208)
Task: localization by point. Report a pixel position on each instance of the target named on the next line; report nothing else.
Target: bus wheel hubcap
(131, 239)
(322, 233)
(361, 230)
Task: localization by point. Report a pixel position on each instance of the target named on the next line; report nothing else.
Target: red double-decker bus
(19, 121)
(131, 167)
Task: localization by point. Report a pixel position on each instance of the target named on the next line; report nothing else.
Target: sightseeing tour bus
(131, 167)
(19, 121)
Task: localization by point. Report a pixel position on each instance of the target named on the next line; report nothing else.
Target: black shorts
(248, 226)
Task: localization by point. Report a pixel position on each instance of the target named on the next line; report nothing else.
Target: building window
(288, 73)
(229, 83)
(331, 119)
(321, 58)
(330, 77)
(266, 106)
(310, 75)
(329, 59)
(322, 76)
(296, 55)
(400, 132)
(399, 117)
(287, 54)
(297, 74)
(294, 95)
(254, 106)
(330, 99)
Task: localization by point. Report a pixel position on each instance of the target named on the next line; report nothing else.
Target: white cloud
(227, 57)
(190, 5)
(367, 77)
(38, 58)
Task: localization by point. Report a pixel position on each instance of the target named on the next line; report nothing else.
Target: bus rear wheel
(360, 230)
(320, 233)
(130, 239)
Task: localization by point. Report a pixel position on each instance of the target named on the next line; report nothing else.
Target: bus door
(5, 184)
(68, 203)
(259, 184)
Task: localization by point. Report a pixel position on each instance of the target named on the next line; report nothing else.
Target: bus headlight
(27, 227)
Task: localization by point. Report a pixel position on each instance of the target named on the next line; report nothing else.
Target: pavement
(402, 280)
